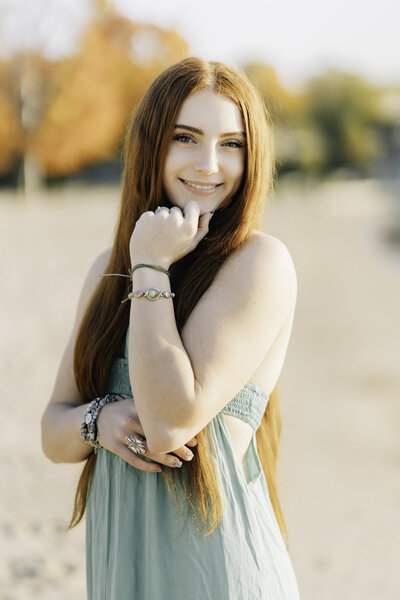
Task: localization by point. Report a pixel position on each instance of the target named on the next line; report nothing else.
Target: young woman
(181, 333)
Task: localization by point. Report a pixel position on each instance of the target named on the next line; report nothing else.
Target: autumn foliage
(11, 141)
(75, 111)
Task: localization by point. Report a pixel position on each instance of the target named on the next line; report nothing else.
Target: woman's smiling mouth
(203, 188)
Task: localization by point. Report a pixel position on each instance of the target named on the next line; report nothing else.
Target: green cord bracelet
(158, 267)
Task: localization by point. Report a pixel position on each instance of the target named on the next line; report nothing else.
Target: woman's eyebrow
(195, 130)
(189, 128)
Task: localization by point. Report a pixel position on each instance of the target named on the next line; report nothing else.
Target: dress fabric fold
(140, 546)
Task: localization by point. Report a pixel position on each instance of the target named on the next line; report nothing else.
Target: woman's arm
(180, 384)
(61, 422)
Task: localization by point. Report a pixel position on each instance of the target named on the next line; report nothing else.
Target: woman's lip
(201, 188)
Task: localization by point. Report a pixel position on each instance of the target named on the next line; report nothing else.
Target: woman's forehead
(206, 109)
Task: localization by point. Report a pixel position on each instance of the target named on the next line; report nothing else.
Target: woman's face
(206, 157)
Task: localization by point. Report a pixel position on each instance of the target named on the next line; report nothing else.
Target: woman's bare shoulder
(261, 266)
(268, 243)
(265, 255)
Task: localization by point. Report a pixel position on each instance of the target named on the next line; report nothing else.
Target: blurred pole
(30, 179)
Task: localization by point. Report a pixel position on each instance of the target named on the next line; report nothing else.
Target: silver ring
(160, 208)
(135, 443)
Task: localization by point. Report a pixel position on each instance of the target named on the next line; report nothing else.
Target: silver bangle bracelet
(89, 421)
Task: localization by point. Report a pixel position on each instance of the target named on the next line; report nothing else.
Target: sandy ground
(339, 387)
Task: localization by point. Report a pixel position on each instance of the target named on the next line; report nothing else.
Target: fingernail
(189, 454)
(157, 470)
(195, 446)
(177, 464)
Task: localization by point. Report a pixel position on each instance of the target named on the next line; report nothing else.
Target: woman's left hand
(168, 235)
(118, 421)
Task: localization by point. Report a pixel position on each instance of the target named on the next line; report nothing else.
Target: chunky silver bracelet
(89, 421)
(151, 294)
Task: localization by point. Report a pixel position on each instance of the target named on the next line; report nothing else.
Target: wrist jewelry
(89, 421)
(132, 269)
(158, 267)
(151, 294)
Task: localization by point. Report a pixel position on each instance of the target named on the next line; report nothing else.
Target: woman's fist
(168, 235)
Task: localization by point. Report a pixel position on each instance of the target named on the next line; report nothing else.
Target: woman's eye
(183, 137)
(234, 144)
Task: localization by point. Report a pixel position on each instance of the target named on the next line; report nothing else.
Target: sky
(298, 39)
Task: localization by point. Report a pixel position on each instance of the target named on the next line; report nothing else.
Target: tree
(58, 117)
(96, 90)
(11, 140)
(280, 102)
(349, 112)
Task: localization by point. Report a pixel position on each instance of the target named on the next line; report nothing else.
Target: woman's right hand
(118, 420)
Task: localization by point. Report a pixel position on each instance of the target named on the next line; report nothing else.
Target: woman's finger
(184, 453)
(193, 442)
(135, 461)
(168, 460)
(138, 445)
(175, 210)
(164, 210)
(203, 227)
(192, 213)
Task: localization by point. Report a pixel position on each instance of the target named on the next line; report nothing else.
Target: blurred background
(71, 72)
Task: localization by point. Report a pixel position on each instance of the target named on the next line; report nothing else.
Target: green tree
(348, 112)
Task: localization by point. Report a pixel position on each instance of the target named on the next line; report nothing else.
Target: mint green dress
(139, 547)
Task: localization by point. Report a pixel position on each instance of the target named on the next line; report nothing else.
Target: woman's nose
(207, 161)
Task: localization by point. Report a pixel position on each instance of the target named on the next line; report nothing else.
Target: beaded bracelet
(89, 421)
(151, 294)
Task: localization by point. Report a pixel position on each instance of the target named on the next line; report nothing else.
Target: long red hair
(102, 332)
